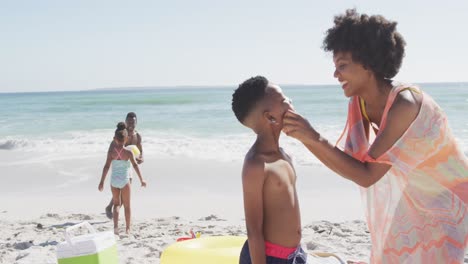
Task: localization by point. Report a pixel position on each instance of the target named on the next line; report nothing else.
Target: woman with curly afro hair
(398, 148)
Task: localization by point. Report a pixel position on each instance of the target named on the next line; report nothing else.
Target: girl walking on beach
(134, 138)
(414, 175)
(120, 159)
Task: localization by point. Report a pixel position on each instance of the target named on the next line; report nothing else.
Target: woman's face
(352, 76)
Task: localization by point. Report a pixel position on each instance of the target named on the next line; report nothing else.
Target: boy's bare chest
(280, 174)
(132, 140)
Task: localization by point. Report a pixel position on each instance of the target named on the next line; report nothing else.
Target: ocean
(194, 122)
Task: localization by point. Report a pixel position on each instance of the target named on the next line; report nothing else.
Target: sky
(79, 45)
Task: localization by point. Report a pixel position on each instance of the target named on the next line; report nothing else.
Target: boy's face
(131, 123)
(278, 104)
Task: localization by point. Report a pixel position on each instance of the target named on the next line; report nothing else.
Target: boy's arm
(140, 147)
(105, 170)
(137, 169)
(252, 182)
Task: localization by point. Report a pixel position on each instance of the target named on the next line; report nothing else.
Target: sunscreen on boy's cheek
(274, 125)
(273, 122)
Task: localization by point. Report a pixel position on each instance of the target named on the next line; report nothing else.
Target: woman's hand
(296, 126)
(143, 183)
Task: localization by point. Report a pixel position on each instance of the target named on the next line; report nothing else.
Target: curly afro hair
(372, 41)
(247, 95)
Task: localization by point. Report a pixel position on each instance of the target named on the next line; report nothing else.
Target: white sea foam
(221, 147)
(228, 147)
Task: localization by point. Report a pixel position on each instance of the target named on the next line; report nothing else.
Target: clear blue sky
(78, 45)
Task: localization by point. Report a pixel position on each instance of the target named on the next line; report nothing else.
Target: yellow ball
(134, 149)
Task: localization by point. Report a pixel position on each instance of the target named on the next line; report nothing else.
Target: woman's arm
(399, 118)
(364, 174)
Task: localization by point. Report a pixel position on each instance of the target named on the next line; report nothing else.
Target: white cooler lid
(85, 245)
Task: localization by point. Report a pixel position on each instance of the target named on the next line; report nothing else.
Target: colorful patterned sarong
(417, 212)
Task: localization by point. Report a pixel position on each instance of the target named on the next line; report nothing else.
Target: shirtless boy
(271, 206)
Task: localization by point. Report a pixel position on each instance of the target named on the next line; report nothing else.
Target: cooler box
(93, 248)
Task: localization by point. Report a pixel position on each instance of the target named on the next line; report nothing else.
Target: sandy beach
(44, 194)
(35, 240)
(37, 184)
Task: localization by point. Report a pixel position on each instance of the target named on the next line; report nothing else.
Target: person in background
(120, 159)
(134, 138)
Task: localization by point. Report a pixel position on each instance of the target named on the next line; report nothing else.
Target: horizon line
(212, 86)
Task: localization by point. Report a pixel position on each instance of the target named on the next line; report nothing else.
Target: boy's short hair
(131, 115)
(372, 41)
(247, 95)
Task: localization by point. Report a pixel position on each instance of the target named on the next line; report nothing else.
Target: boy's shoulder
(253, 170)
(254, 157)
(253, 161)
(286, 154)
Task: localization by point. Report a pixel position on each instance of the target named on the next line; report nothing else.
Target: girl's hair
(121, 131)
